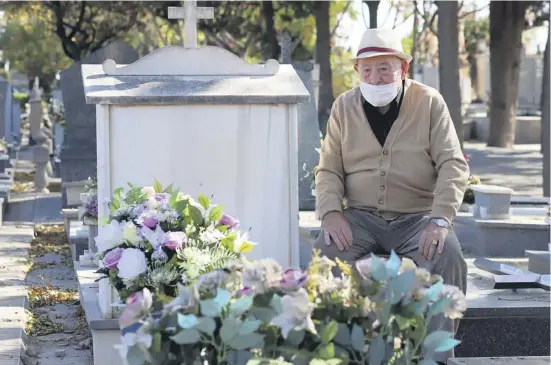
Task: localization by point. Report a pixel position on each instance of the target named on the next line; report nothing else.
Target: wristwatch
(440, 222)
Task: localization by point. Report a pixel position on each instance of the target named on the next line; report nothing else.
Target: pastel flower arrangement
(255, 312)
(158, 238)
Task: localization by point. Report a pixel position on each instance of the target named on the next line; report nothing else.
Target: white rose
(152, 203)
(131, 264)
(149, 190)
(130, 233)
(109, 236)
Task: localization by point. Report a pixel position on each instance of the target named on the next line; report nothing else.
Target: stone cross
(285, 42)
(190, 13)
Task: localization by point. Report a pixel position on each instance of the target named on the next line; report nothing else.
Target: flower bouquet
(90, 201)
(156, 238)
(254, 312)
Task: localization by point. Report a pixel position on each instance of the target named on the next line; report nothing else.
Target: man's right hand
(337, 230)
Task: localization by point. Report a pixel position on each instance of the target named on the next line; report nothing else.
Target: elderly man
(392, 174)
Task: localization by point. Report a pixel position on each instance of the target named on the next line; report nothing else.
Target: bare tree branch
(340, 18)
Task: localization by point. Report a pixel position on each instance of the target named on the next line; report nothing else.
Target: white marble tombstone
(210, 123)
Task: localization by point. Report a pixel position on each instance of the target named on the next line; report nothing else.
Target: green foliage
(257, 312)
(28, 44)
(22, 98)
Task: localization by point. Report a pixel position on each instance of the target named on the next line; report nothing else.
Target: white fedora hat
(380, 42)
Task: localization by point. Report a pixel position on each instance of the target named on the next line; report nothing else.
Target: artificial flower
(109, 236)
(111, 258)
(295, 315)
(132, 264)
(130, 233)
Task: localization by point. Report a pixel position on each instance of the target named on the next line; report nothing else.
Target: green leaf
(241, 305)
(358, 338)
(264, 314)
(186, 321)
(204, 201)
(246, 247)
(400, 286)
(216, 213)
(209, 308)
(263, 361)
(328, 332)
(436, 338)
(157, 186)
(186, 337)
(173, 199)
(169, 189)
(206, 325)
(230, 329)
(275, 303)
(434, 291)
(327, 351)
(418, 333)
(376, 351)
(295, 337)
(240, 357)
(343, 335)
(447, 345)
(248, 341)
(222, 297)
(114, 204)
(439, 306)
(393, 264)
(378, 269)
(195, 214)
(249, 327)
(135, 356)
(180, 206)
(156, 344)
(403, 322)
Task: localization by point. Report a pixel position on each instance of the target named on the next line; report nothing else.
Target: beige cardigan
(421, 167)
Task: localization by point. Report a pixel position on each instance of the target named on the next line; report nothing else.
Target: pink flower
(136, 305)
(175, 240)
(244, 291)
(111, 258)
(228, 220)
(293, 280)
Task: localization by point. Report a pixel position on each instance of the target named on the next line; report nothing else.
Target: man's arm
(330, 171)
(453, 170)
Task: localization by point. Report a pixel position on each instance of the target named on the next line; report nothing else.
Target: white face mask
(380, 95)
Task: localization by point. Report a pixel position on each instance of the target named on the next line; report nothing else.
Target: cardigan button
(382, 173)
(382, 187)
(385, 152)
(381, 201)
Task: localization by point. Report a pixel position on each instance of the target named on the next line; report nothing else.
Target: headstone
(78, 155)
(285, 43)
(5, 110)
(308, 138)
(198, 106)
(16, 120)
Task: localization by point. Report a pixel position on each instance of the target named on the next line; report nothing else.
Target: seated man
(392, 174)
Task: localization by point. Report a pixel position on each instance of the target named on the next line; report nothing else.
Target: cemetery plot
(510, 277)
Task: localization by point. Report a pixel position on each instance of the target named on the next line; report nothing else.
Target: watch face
(440, 222)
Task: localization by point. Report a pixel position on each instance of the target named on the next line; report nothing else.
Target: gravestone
(16, 120)
(78, 155)
(308, 137)
(5, 110)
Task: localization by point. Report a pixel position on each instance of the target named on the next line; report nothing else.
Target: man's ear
(405, 68)
(356, 67)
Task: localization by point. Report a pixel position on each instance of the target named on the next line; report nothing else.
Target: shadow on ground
(35, 208)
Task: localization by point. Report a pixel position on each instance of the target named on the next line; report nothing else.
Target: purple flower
(148, 219)
(244, 291)
(162, 197)
(138, 210)
(293, 280)
(228, 220)
(92, 207)
(175, 240)
(111, 258)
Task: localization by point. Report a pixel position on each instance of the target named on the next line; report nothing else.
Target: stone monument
(193, 106)
(78, 154)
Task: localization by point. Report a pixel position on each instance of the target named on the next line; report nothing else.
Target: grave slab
(539, 261)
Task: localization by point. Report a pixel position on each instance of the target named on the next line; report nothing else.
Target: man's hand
(337, 230)
(432, 238)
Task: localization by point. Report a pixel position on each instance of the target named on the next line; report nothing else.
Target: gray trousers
(373, 234)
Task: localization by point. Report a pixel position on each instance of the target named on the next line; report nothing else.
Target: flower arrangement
(468, 198)
(3, 146)
(90, 200)
(156, 238)
(254, 312)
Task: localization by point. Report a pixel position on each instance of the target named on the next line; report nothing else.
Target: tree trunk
(448, 54)
(545, 121)
(323, 53)
(506, 26)
(268, 11)
(415, 36)
(373, 7)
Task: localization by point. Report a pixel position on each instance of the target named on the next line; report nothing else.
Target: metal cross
(190, 13)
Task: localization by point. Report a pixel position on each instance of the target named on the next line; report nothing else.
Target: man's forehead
(378, 60)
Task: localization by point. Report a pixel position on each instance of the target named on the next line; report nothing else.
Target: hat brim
(401, 55)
